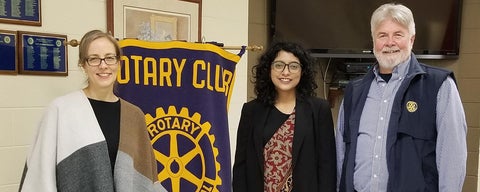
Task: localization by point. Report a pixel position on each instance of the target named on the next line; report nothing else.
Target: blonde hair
(91, 36)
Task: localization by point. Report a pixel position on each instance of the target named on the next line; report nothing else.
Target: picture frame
(21, 12)
(8, 52)
(163, 20)
(42, 54)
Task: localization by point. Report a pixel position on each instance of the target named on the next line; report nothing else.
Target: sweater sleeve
(39, 173)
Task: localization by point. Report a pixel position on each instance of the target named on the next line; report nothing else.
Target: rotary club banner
(184, 90)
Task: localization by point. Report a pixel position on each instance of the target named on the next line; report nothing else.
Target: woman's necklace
(285, 107)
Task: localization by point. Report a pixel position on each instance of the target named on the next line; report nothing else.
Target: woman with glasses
(285, 138)
(90, 139)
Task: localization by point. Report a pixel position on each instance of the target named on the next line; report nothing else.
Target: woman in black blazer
(285, 138)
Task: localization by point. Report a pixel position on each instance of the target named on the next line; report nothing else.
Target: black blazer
(314, 158)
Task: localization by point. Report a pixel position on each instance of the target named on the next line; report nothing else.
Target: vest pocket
(420, 131)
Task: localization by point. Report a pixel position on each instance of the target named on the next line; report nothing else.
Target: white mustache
(390, 50)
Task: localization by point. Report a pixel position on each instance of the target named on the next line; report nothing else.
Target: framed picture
(42, 54)
(161, 20)
(21, 12)
(8, 52)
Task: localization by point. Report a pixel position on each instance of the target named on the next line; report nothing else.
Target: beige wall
(466, 68)
(468, 75)
(22, 97)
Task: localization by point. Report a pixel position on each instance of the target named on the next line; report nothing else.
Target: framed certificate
(42, 54)
(8, 52)
(24, 12)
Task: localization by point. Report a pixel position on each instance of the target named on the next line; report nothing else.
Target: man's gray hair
(397, 12)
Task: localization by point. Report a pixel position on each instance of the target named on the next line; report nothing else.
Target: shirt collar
(399, 71)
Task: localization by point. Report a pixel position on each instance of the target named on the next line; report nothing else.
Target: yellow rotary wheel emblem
(411, 106)
(183, 147)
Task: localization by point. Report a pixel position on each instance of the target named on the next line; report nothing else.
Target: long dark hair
(264, 87)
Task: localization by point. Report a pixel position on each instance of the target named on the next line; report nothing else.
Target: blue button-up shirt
(371, 173)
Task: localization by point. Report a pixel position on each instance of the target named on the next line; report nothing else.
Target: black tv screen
(341, 28)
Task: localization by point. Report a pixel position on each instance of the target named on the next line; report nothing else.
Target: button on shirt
(371, 173)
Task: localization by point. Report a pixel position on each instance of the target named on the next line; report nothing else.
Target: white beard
(390, 60)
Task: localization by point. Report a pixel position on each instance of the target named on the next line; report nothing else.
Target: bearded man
(401, 127)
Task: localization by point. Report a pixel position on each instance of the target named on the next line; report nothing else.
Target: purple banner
(184, 90)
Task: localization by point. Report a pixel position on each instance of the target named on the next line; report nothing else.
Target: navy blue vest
(411, 136)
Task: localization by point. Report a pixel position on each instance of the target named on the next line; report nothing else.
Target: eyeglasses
(293, 67)
(96, 61)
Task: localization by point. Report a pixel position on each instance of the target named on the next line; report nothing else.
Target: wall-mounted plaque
(8, 52)
(42, 54)
(24, 12)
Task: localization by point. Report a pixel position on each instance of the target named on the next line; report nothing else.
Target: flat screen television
(341, 28)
